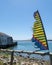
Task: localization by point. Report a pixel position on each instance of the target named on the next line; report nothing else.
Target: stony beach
(5, 59)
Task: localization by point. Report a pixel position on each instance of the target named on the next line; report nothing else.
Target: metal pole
(50, 59)
(12, 54)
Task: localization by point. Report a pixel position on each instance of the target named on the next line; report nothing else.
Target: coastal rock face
(5, 39)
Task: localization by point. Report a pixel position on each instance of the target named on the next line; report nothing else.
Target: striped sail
(39, 35)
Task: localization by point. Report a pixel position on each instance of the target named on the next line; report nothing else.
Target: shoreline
(20, 60)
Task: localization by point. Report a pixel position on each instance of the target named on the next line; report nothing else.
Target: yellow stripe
(44, 41)
(41, 38)
(38, 35)
(38, 31)
(36, 23)
(40, 26)
(37, 19)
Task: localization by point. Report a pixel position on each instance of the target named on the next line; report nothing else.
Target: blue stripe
(38, 44)
(33, 40)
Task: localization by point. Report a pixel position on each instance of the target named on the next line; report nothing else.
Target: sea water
(27, 45)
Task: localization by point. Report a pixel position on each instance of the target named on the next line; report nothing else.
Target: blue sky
(16, 17)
